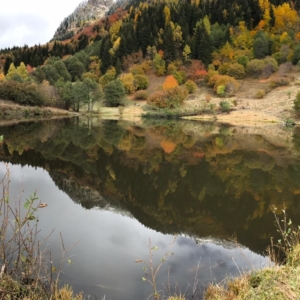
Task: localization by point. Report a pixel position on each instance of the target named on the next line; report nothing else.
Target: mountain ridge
(86, 13)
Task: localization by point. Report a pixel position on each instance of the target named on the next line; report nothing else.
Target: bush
(221, 90)
(243, 60)
(109, 76)
(236, 70)
(224, 105)
(280, 81)
(178, 77)
(190, 86)
(230, 84)
(260, 94)
(257, 67)
(128, 82)
(297, 102)
(285, 68)
(114, 93)
(141, 81)
(170, 98)
(22, 93)
(223, 69)
(141, 95)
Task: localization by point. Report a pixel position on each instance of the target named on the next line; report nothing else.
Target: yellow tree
(241, 37)
(22, 71)
(128, 82)
(265, 7)
(12, 71)
(114, 30)
(167, 14)
(285, 18)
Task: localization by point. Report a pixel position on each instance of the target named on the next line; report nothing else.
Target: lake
(199, 190)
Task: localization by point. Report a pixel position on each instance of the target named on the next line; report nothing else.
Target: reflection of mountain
(172, 176)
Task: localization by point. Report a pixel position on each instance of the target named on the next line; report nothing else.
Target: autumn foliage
(170, 98)
(170, 83)
(168, 146)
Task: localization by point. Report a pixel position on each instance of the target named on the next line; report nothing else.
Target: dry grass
(278, 283)
(12, 289)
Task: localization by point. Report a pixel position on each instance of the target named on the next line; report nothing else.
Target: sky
(32, 22)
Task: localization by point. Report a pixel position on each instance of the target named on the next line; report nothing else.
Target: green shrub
(223, 69)
(260, 94)
(141, 95)
(190, 86)
(141, 81)
(114, 93)
(178, 77)
(236, 70)
(243, 60)
(224, 105)
(255, 67)
(289, 122)
(215, 80)
(22, 93)
(221, 90)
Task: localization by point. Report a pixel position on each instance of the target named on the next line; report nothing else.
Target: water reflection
(172, 177)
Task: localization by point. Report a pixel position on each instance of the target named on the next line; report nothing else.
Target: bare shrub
(280, 81)
(141, 95)
(285, 68)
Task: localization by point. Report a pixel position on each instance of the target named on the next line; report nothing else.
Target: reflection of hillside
(172, 176)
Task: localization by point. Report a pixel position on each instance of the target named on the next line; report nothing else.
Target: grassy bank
(280, 282)
(9, 109)
(176, 113)
(16, 289)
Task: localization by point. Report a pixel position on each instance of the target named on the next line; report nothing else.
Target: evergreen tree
(169, 46)
(202, 44)
(114, 93)
(8, 62)
(261, 45)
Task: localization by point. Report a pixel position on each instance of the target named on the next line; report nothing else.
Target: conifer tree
(7, 64)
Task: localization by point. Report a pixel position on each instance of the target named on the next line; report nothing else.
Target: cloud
(23, 29)
(31, 22)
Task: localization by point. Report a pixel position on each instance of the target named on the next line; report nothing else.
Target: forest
(194, 41)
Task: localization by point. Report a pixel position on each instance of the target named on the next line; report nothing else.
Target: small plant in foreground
(224, 105)
(290, 235)
(25, 264)
(289, 122)
(153, 270)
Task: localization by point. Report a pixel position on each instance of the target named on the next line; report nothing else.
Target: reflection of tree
(209, 184)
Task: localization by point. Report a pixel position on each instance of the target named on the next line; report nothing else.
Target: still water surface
(110, 186)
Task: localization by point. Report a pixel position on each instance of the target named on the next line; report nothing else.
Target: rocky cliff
(84, 15)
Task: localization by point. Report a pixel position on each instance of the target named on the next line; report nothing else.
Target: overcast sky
(31, 21)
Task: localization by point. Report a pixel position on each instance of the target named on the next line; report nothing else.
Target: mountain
(84, 15)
